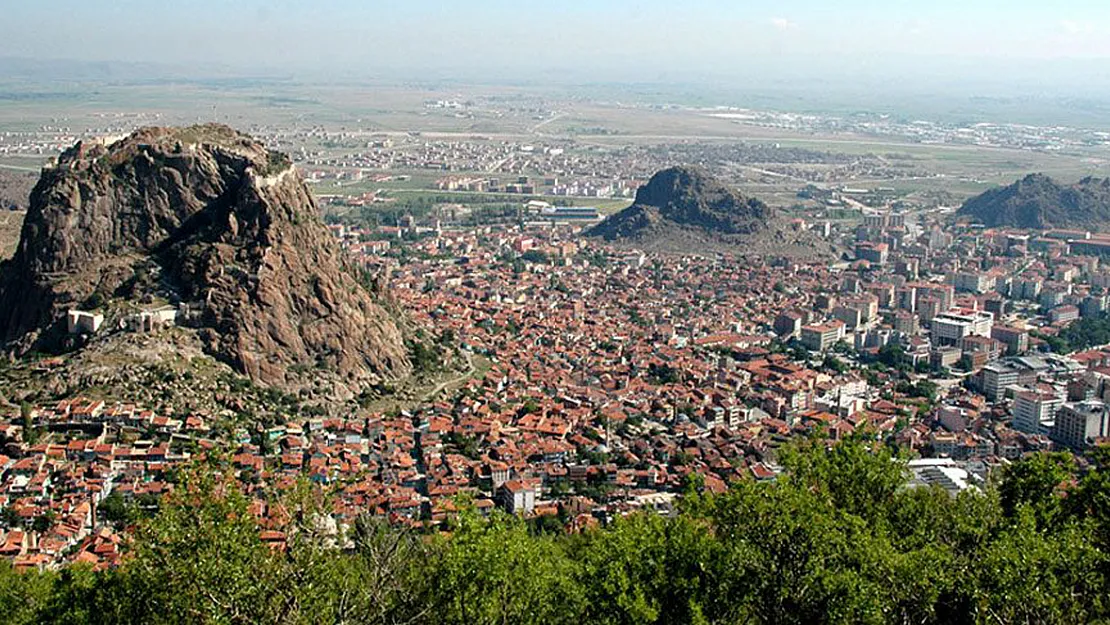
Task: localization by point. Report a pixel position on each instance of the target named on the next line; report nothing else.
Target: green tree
(493, 572)
(1027, 576)
(26, 420)
(117, 511)
(834, 364)
(1036, 483)
(23, 595)
(892, 355)
(44, 522)
(10, 518)
(650, 569)
(201, 560)
(839, 537)
(852, 476)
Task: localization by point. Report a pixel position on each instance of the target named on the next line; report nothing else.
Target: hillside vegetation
(838, 538)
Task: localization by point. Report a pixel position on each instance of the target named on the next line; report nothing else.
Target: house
(81, 322)
(152, 320)
(517, 497)
(822, 337)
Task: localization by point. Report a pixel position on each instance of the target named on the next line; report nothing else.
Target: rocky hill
(15, 187)
(686, 209)
(209, 223)
(1039, 202)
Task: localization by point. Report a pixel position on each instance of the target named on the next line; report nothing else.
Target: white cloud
(783, 24)
(1077, 27)
(917, 27)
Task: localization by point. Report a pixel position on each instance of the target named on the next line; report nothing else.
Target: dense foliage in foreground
(836, 539)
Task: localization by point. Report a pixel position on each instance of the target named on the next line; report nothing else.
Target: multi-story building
(876, 221)
(1053, 295)
(822, 337)
(1076, 424)
(927, 308)
(788, 324)
(1026, 289)
(997, 376)
(1034, 412)
(943, 293)
(1092, 247)
(1016, 340)
(1063, 314)
(867, 304)
(517, 497)
(997, 306)
(883, 294)
(950, 327)
(973, 282)
(906, 323)
(875, 253)
(983, 348)
(944, 357)
(1092, 306)
(905, 298)
(850, 315)
(908, 267)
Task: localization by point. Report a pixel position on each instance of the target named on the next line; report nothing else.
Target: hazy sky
(632, 38)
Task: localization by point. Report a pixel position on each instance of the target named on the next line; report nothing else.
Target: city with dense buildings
(599, 312)
(602, 378)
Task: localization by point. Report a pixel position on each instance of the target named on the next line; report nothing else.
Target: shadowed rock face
(1039, 202)
(690, 198)
(222, 223)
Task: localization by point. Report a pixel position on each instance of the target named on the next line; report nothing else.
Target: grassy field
(496, 114)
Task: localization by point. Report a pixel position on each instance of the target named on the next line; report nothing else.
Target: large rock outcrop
(685, 209)
(688, 197)
(1039, 202)
(206, 217)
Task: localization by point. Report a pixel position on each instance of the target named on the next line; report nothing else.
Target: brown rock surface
(685, 209)
(208, 217)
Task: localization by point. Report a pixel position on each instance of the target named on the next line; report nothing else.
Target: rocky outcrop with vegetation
(1039, 202)
(686, 209)
(208, 218)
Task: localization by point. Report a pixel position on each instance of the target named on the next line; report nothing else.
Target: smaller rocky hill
(1039, 202)
(685, 209)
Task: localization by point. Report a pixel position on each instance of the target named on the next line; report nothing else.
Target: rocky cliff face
(207, 217)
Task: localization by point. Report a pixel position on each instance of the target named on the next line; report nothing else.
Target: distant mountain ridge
(685, 208)
(1038, 202)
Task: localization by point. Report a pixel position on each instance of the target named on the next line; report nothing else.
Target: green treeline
(837, 538)
(1083, 334)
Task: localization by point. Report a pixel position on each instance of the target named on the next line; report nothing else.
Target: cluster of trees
(1083, 334)
(837, 538)
(662, 374)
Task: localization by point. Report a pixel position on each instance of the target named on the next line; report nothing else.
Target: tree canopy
(1083, 334)
(839, 537)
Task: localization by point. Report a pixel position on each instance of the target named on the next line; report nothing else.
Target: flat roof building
(950, 327)
(1077, 423)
